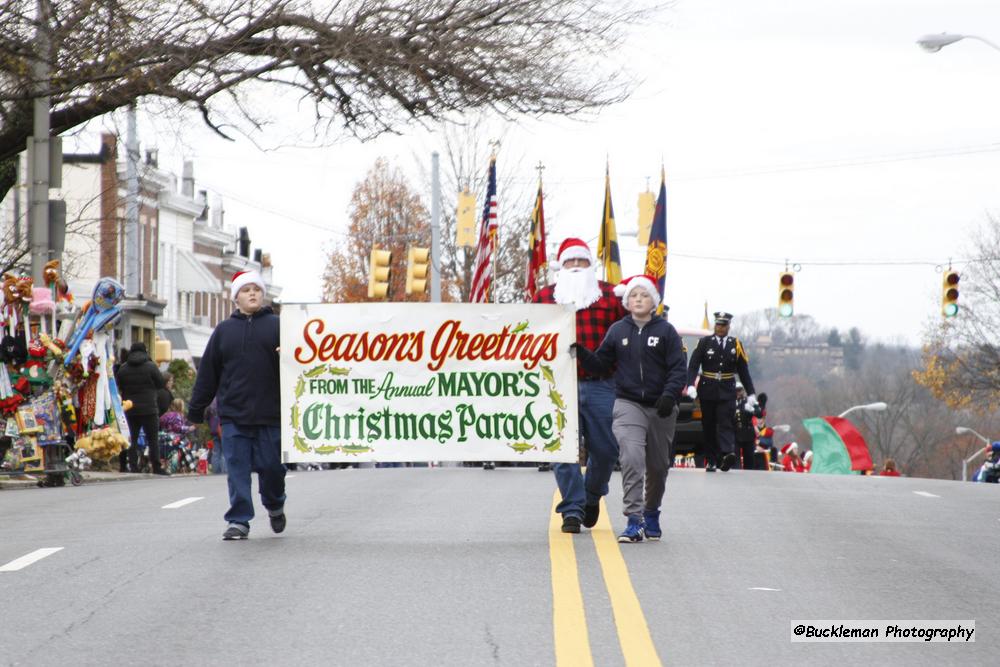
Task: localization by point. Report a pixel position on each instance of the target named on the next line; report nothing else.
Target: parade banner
(428, 382)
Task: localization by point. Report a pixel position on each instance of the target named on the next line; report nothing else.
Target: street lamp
(964, 430)
(934, 43)
(873, 407)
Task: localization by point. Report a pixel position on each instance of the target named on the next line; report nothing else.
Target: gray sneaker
(236, 532)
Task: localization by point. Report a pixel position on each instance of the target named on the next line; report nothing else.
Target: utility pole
(435, 227)
(132, 240)
(38, 151)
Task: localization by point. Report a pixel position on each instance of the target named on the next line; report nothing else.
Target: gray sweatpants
(646, 450)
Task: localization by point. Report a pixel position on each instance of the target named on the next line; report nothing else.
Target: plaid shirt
(592, 322)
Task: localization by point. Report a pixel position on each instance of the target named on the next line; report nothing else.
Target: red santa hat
(789, 447)
(572, 248)
(243, 278)
(808, 455)
(646, 282)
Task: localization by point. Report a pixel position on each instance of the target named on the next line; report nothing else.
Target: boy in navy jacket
(240, 369)
(649, 378)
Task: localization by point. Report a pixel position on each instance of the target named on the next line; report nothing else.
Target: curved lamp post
(964, 430)
(934, 43)
(873, 407)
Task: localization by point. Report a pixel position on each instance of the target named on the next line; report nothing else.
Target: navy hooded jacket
(650, 359)
(240, 369)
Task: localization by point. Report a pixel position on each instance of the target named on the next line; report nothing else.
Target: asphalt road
(460, 566)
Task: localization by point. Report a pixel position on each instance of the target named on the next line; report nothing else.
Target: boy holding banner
(240, 369)
(650, 372)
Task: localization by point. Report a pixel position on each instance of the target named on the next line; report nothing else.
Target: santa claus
(597, 308)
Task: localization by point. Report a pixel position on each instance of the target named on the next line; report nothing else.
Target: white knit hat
(646, 282)
(243, 278)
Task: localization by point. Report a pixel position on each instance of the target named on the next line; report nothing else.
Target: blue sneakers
(652, 520)
(634, 531)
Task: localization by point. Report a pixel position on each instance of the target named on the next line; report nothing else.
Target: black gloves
(665, 406)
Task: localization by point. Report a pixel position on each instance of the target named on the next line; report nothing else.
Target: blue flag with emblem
(656, 251)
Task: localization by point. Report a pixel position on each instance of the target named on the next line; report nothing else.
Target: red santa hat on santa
(243, 278)
(571, 248)
(648, 283)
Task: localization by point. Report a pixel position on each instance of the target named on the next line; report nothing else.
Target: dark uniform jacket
(743, 425)
(719, 364)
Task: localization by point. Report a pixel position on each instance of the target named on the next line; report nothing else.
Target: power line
(836, 163)
(826, 262)
(266, 209)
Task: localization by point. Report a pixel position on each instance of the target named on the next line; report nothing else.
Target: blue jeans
(597, 402)
(253, 449)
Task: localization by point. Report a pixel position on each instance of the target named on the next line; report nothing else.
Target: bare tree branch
(366, 66)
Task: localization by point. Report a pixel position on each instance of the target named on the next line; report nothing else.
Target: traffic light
(786, 294)
(378, 274)
(416, 270)
(949, 293)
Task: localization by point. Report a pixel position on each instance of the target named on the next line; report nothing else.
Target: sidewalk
(30, 481)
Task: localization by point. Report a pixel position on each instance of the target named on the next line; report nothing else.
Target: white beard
(577, 287)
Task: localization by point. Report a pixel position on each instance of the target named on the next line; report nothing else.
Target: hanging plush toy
(43, 307)
(25, 294)
(103, 311)
(62, 297)
(11, 303)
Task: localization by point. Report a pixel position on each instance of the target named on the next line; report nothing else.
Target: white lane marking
(925, 494)
(25, 561)
(762, 588)
(182, 503)
(289, 476)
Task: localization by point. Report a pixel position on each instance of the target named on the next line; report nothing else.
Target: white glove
(691, 392)
(751, 404)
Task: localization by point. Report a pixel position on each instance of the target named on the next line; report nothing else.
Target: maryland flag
(656, 251)
(537, 261)
(607, 240)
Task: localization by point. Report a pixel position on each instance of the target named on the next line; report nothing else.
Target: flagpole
(545, 265)
(495, 239)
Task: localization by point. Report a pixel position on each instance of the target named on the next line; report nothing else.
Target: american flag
(482, 271)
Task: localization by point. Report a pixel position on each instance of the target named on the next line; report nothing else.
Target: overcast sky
(813, 131)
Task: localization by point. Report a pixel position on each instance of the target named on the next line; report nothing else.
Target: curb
(88, 478)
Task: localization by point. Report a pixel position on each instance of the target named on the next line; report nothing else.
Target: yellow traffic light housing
(416, 270)
(378, 274)
(949, 293)
(786, 294)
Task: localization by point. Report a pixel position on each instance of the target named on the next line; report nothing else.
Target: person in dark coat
(715, 364)
(745, 430)
(165, 396)
(139, 380)
(239, 369)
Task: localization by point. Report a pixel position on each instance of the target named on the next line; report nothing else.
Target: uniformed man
(720, 358)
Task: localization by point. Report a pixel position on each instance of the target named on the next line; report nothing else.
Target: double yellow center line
(569, 622)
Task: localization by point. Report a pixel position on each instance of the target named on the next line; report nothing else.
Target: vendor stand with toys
(59, 404)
